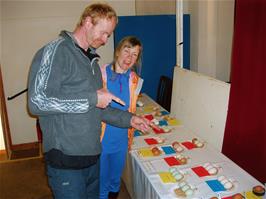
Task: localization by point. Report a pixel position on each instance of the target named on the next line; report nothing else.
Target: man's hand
(105, 98)
(140, 123)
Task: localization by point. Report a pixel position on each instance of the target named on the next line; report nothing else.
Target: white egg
(184, 188)
(199, 144)
(179, 149)
(172, 169)
(224, 181)
(189, 192)
(196, 142)
(181, 184)
(178, 156)
(206, 164)
(176, 173)
(212, 171)
(209, 167)
(220, 178)
(178, 177)
(159, 140)
(140, 103)
(228, 185)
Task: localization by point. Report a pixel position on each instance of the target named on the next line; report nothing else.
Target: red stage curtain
(245, 131)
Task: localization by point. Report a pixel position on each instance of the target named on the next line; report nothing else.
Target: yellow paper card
(167, 177)
(174, 122)
(251, 195)
(145, 152)
(148, 109)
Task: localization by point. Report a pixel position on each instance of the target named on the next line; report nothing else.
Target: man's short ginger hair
(97, 11)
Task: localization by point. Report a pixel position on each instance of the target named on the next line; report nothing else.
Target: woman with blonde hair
(119, 78)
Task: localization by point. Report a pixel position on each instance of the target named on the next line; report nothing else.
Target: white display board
(201, 103)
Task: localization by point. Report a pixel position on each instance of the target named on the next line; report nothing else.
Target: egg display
(184, 190)
(228, 185)
(166, 129)
(182, 159)
(212, 169)
(178, 148)
(197, 143)
(176, 173)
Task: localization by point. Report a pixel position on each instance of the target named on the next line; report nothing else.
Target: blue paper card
(164, 112)
(137, 133)
(215, 185)
(168, 149)
(163, 123)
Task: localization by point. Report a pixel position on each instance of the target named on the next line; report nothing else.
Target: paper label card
(148, 109)
(200, 171)
(137, 133)
(151, 141)
(158, 130)
(167, 177)
(251, 195)
(168, 149)
(149, 117)
(164, 112)
(215, 185)
(163, 123)
(172, 161)
(189, 145)
(174, 122)
(145, 153)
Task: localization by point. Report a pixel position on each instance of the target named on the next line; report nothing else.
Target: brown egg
(155, 151)
(179, 192)
(258, 190)
(183, 161)
(214, 198)
(238, 196)
(175, 144)
(194, 140)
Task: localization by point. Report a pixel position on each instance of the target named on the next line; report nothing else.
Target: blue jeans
(74, 184)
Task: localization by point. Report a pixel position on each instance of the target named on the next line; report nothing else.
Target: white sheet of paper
(139, 86)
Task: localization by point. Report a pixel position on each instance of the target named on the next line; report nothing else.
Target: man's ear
(88, 21)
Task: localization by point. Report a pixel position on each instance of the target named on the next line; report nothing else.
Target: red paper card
(171, 161)
(189, 145)
(158, 130)
(149, 117)
(200, 171)
(151, 141)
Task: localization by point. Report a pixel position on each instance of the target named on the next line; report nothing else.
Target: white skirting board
(201, 103)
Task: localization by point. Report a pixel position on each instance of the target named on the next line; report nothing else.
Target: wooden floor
(25, 178)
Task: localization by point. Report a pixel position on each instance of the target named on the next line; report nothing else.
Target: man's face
(99, 33)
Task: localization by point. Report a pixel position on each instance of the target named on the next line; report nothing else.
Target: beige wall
(154, 7)
(27, 26)
(211, 36)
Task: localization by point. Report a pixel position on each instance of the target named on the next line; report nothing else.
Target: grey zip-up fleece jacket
(62, 93)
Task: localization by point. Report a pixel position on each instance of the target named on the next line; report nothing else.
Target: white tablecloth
(142, 177)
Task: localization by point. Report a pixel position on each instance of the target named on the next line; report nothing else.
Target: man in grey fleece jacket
(65, 92)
